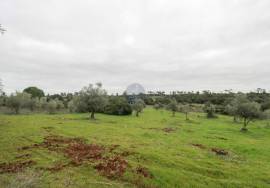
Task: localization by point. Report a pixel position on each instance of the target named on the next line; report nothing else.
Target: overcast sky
(62, 45)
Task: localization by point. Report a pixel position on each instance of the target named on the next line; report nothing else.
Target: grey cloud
(164, 45)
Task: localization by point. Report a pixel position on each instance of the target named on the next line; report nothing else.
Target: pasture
(152, 150)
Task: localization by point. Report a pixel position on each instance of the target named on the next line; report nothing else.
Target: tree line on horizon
(94, 99)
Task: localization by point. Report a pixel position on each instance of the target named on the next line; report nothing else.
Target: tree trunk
(92, 115)
(186, 116)
(17, 110)
(244, 128)
(137, 113)
(234, 119)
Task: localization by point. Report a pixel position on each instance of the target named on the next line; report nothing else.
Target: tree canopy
(93, 98)
(34, 91)
(248, 111)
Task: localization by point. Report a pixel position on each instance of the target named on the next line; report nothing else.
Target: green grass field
(170, 157)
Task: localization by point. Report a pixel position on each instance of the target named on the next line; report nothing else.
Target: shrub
(210, 110)
(118, 106)
(158, 106)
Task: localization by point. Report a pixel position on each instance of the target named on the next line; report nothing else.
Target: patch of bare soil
(219, 151)
(169, 129)
(199, 146)
(15, 166)
(144, 172)
(79, 152)
(112, 167)
(106, 160)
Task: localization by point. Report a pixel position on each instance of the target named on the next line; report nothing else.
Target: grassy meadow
(174, 152)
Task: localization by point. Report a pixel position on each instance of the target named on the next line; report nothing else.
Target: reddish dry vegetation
(112, 167)
(199, 146)
(79, 152)
(219, 151)
(105, 160)
(15, 166)
(169, 129)
(144, 172)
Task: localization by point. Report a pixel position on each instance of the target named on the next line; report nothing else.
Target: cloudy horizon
(190, 45)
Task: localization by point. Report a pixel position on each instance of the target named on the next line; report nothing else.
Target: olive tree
(51, 106)
(59, 104)
(138, 106)
(173, 106)
(32, 104)
(71, 106)
(248, 111)
(42, 104)
(158, 106)
(186, 108)
(17, 101)
(231, 108)
(93, 98)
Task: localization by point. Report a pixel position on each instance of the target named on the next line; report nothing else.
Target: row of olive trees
(240, 107)
(93, 98)
(175, 107)
(22, 100)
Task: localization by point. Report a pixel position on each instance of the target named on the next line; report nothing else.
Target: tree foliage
(35, 92)
(118, 106)
(173, 106)
(92, 98)
(51, 106)
(185, 108)
(248, 111)
(158, 106)
(138, 106)
(17, 101)
(210, 110)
